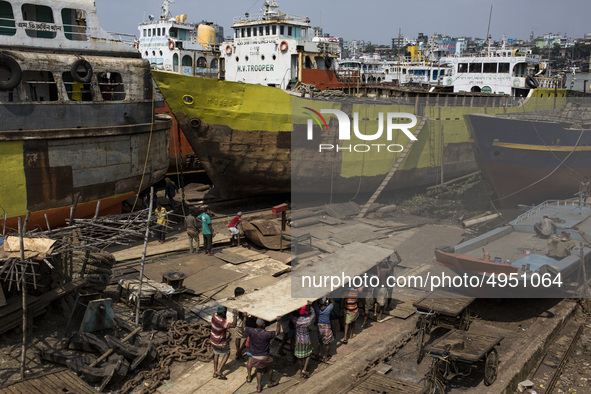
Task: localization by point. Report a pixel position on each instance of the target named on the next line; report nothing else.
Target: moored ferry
(76, 119)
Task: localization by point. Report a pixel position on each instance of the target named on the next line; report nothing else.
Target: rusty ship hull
(77, 123)
(247, 137)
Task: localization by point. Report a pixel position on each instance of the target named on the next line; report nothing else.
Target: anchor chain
(186, 342)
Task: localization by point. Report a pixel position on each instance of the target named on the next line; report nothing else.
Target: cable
(550, 174)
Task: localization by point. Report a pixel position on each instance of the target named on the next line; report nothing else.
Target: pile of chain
(186, 342)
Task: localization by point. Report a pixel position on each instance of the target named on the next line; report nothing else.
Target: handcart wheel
(491, 366)
(434, 386)
(420, 343)
(464, 320)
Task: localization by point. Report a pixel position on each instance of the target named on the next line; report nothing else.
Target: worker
(219, 340)
(260, 347)
(303, 344)
(160, 222)
(545, 227)
(585, 189)
(207, 231)
(192, 230)
(170, 191)
(234, 230)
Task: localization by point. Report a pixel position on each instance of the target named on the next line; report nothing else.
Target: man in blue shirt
(207, 233)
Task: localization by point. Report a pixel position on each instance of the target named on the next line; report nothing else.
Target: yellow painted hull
(243, 133)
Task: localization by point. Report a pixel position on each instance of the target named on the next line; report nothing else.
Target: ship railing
(125, 38)
(538, 208)
(549, 82)
(264, 17)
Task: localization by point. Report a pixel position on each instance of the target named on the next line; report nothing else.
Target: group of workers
(326, 314)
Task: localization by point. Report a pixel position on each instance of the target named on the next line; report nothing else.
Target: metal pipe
(143, 261)
(24, 297)
(471, 222)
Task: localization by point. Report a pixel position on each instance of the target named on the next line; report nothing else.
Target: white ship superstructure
(273, 48)
(172, 44)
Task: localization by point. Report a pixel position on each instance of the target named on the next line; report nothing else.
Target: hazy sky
(377, 20)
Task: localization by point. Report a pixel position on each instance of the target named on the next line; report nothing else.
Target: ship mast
(165, 12)
(488, 31)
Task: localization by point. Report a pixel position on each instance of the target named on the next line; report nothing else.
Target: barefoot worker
(219, 340)
(260, 347)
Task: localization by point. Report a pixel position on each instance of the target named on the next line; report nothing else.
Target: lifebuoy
(170, 44)
(531, 82)
(76, 75)
(15, 72)
(228, 50)
(283, 46)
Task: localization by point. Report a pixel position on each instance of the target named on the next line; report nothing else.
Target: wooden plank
(279, 256)
(211, 278)
(270, 302)
(441, 302)
(232, 258)
(475, 346)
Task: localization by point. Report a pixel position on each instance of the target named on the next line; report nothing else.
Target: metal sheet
(270, 302)
(352, 260)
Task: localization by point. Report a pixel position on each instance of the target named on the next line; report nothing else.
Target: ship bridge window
(39, 86)
(173, 32)
(267, 30)
(475, 67)
(261, 30)
(308, 62)
(111, 86)
(503, 67)
(320, 63)
(463, 67)
(254, 31)
(236, 33)
(274, 30)
(243, 32)
(289, 31)
(489, 68)
(7, 26)
(145, 33)
(43, 14)
(281, 29)
(158, 31)
(77, 91)
(520, 70)
(149, 32)
(297, 33)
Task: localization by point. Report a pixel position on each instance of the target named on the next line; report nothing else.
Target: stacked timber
(11, 315)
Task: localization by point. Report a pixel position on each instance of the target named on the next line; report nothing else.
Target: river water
(578, 81)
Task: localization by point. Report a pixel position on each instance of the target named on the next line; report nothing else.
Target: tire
(491, 366)
(76, 75)
(530, 82)
(16, 73)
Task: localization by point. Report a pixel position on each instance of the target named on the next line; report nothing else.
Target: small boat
(513, 261)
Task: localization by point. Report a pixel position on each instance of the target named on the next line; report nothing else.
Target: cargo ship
(547, 153)
(279, 76)
(77, 125)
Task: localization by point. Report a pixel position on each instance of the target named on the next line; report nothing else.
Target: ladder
(393, 170)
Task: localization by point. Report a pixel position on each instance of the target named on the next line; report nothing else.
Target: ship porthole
(195, 123)
(188, 99)
(14, 71)
(262, 57)
(274, 57)
(84, 75)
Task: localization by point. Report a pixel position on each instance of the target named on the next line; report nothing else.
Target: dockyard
(184, 211)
